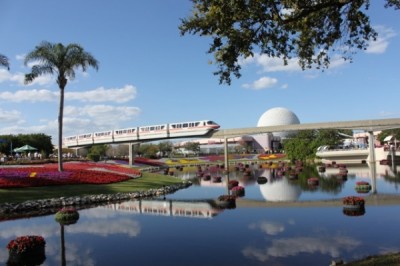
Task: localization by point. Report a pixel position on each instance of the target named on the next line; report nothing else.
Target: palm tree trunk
(60, 129)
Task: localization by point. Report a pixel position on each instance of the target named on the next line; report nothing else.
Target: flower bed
(238, 191)
(74, 173)
(26, 250)
(353, 202)
(67, 216)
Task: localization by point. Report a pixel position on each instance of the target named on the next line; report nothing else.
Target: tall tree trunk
(60, 129)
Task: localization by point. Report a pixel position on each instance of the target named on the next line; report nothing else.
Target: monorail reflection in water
(242, 236)
(192, 209)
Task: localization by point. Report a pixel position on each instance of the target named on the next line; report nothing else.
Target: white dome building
(280, 190)
(277, 116)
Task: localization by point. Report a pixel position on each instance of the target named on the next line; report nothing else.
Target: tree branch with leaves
(311, 31)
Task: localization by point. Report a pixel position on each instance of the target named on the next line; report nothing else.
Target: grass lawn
(146, 182)
(392, 259)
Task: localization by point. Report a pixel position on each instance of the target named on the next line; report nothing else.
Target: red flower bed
(74, 173)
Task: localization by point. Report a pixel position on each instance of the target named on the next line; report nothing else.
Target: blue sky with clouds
(149, 74)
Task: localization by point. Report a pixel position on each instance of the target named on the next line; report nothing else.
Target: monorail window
(185, 125)
(210, 123)
(197, 124)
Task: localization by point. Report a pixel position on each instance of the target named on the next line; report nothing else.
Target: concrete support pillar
(133, 148)
(371, 141)
(130, 145)
(372, 173)
(226, 162)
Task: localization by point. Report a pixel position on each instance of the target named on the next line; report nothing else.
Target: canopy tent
(25, 148)
(388, 138)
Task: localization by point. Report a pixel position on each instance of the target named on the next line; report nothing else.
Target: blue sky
(149, 74)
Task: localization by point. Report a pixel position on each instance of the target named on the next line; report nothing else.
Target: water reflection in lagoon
(182, 230)
(383, 178)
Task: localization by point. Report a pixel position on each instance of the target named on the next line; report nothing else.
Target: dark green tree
(98, 151)
(148, 150)
(300, 146)
(192, 146)
(309, 30)
(55, 58)
(4, 61)
(40, 141)
(165, 147)
(389, 132)
(304, 144)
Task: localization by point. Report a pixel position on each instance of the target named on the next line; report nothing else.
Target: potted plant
(226, 201)
(232, 184)
(67, 215)
(26, 250)
(353, 202)
(262, 180)
(362, 187)
(216, 179)
(354, 212)
(238, 191)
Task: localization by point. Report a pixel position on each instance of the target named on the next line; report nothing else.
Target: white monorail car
(192, 128)
(153, 132)
(126, 134)
(103, 137)
(70, 141)
(85, 139)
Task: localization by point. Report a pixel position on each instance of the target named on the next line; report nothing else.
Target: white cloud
(261, 83)
(292, 246)
(93, 118)
(270, 228)
(272, 64)
(118, 95)
(9, 116)
(8, 76)
(103, 112)
(382, 42)
(29, 96)
(101, 227)
(20, 57)
(19, 78)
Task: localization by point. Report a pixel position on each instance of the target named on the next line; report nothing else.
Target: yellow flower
(33, 174)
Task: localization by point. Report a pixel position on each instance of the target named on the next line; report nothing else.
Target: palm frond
(4, 61)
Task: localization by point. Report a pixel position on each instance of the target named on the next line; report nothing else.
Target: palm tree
(55, 58)
(4, 61)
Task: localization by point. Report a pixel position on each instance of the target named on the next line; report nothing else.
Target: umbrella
(25, 148)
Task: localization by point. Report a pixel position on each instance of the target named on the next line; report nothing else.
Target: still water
(185, 229)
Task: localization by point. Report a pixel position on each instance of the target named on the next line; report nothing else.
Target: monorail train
(172, 130)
